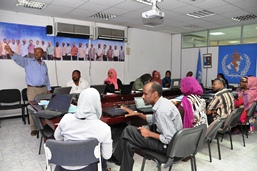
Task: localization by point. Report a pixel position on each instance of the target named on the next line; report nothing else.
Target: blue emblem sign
(237, 61)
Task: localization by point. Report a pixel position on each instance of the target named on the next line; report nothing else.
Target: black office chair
(45, 130)
(72, 153)
(250, 114)
(185, 143)
(212, 134)
(230, 122)
(11, 99)
(25, 102)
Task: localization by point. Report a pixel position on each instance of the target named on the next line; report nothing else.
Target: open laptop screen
(175, 83)
(62, 90)
(100, 88)
(60, 102)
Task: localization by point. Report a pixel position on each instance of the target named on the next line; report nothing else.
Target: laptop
(141, 106)
(62, 90)
(114, 112)
(175, 83)
(100, 88)
(58, 105)
(126, 88)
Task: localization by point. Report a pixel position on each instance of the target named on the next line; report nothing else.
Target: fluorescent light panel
(104, 16)
(216, 33)
(31, 4)
(201, 14)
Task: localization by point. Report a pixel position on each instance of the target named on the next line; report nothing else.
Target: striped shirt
(223, 103)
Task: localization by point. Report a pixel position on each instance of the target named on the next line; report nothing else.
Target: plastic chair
(185, 143)
(212, 134)
(45, 130)
(25, 103)
(11, 99)
(250, 114)
(73, 153)
(230, 122)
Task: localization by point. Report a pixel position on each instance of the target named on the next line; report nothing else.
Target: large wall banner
(23, 39)
(237, 61)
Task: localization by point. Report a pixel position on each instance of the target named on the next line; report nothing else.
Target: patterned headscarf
(158, 80)
(112, 80)
(89, 105)
(189, 85)
(250, 94)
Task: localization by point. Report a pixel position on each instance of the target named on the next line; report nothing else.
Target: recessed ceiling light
(189, 27)
(31, 4)
(216, 33)
(244, 17)
(200, 14)
(104, 16)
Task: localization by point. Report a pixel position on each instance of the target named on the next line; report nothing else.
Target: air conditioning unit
(74, 31)
(110, 34)
(194, 38)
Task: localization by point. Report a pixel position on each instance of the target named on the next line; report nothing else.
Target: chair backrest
(186, 142)
(236, 116)
(43, 97)
(250, 112)
(10, 96)
(73, 153)
(24, 95)
(214, 127)
(231, 117)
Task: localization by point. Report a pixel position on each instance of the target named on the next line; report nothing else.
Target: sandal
(108, 169)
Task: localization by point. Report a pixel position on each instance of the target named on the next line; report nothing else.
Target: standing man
(24, 49)
(110, 53)
(87, 52)
(18, 47)
(36, 75)
(92, 52)
(31, 48)
(44, 46)
(77, 83)
(57, 52)
(74, 52)
(104, 53)
(68, 52)
(50, 51)
(165, 116)
(99, 53)
(121, 54)
(81, 53)
(222, 103)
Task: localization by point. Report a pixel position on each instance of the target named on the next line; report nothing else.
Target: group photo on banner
(23, 39)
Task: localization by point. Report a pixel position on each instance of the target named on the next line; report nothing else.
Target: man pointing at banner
(37, 78)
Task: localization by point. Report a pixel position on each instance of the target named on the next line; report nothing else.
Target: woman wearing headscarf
(156, 77)
(112, 82)
(141, 81)
(220, 75)
(166, 81)
(84, 124)
(247, 94)
(192, 106)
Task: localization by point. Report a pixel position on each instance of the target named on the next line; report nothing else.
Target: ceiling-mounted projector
(153, 13)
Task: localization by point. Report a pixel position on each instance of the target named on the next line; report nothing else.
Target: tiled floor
(19, 152)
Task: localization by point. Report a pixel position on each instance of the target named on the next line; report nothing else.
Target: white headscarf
(89, 105)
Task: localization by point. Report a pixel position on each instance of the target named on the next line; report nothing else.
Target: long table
(113, 100)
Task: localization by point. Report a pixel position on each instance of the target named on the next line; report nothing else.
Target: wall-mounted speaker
(49, 29)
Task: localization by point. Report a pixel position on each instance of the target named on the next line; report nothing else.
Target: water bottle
(251, 121)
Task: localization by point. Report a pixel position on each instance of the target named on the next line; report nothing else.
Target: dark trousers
(130, 140)
(66, 58)
(74, 58)
(115, 58)
(104, 57)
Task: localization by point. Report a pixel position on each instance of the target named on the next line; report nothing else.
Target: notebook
(175, 83)
(114, 112)
(58, 105)
(62, 90)
(141, 106)
(100, 88)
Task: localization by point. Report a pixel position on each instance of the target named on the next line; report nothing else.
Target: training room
(115, 46)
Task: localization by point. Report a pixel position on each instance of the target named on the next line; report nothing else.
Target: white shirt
(81, 52)
(83, 84)
(116, 52)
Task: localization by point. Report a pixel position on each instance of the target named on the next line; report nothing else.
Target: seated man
(165, 116)
(222, 103)
(77, 84)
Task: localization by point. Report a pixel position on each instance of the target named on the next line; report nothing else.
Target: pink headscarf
(112, 80)
(189, 85)
(250, 94)
(159, 80)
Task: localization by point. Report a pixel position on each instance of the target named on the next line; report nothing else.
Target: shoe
(33, 133)
(114, 160)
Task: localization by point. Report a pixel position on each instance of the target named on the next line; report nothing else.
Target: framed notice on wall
(207, 60)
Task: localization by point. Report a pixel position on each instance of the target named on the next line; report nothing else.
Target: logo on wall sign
(236, 65)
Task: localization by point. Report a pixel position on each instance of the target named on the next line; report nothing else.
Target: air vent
(71, 30)
(110, 34)
(244, 17)
(190, 27)
(201, 14)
